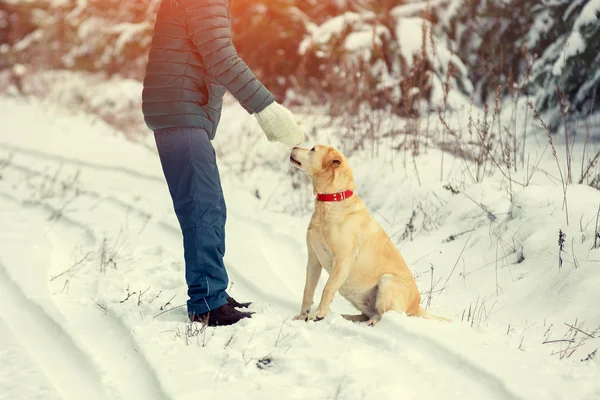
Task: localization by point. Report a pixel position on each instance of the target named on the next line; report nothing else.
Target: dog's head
(325, 165)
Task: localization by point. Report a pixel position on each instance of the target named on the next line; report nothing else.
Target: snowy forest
(402, 56)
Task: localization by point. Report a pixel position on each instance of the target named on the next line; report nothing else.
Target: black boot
(235, 304)
(224, 315)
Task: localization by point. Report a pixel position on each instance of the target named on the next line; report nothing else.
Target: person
(192, 62)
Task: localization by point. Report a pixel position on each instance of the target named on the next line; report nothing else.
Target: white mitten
(280, 125)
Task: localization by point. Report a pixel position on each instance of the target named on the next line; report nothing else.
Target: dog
(363, 264)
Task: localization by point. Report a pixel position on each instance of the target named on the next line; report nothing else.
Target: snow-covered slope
(92, 284)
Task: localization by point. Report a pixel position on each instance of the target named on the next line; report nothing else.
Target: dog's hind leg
(356, 318)
(392, 294)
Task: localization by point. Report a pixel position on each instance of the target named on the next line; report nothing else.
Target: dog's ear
(333, 159)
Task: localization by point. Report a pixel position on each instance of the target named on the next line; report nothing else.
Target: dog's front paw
(304, 312)
(301, 317)
(317, 316)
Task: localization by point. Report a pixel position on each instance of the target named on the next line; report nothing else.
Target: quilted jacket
(191, 63)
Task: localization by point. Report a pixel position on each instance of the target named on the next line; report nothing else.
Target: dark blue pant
(189, 164)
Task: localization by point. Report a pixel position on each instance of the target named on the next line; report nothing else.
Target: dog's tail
(426, 314)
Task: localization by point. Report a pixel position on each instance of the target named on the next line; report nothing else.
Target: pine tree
(489, 36)
(111, 36)
(569, 62)
(499, 38)
(365, 56)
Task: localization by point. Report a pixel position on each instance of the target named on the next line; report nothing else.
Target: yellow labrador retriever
(363, 263)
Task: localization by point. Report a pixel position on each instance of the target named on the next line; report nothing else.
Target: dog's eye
(313, 149)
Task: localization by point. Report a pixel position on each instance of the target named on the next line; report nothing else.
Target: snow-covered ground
(92, 287)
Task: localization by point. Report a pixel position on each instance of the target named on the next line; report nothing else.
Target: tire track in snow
(67, 367)
(112, 349)
(476, 373)
(30, 382)
(234, 271)
(88, 234)
(114, 344)
(473, 375)
(171, 229)
(92, 194)
(73, 161)
(98, 197)
(132, 376)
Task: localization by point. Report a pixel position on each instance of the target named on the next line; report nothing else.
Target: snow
(322, 34)
(90, 27)
(365, 38)
(591, 86)
(78, 10)
(409, 32)
(19, 69)
(364, 34)
(115, 99)
(16, 358)
(589, 14)
(574, 45)
(540, 28)
(575, 42)
(128, 32)
(416, 8)
(92, 279)
(573, 7)
(24, 43)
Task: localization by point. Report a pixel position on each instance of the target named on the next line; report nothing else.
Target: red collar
(334, 196)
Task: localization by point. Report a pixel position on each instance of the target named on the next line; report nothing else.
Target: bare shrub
(78, 265)
(478, 314)
(194, 331)
(111, 252)
(572, 339)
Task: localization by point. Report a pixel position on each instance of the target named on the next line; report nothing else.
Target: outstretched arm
(208, 24)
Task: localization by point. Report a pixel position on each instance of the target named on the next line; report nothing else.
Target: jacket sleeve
(209, 26)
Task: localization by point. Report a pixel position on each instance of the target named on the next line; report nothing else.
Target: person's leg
(230, 299)
(189, 165)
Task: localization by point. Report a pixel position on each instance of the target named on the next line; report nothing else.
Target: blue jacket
(192, 62)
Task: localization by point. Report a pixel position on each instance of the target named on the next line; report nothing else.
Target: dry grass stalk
(564, 110)
(549, 135)
(587, 138)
